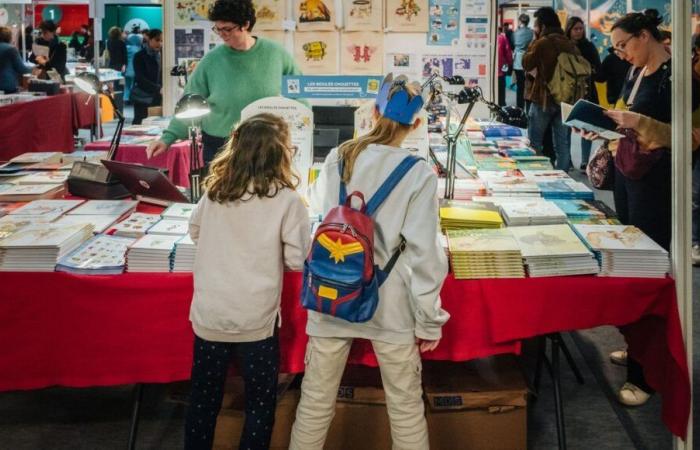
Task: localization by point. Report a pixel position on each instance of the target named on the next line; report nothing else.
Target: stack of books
(185, 251)
(99, 223)
(565, 189)
(11, 224)
(47, 210)
(106, 208)
(37, 247)
(101, 255)
(170, 227)
(54, 177)
(484, 254)
(554, 250)
(457, 214)
(465, 188)
(179, 211)
(514, 187)
(38, 157)
(29, 192)
(625, 251)
(545, 175)
(151, 253)
(535, 212)
(533, 163)
(579, 209)
(136, 225)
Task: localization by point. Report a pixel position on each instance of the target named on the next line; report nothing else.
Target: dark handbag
(138, 95)
(601, 169)
(631, 160)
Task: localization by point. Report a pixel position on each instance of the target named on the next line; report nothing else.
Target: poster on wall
(269, 14)
(402, 64)
(277, 36)
(407, 16)
(439, 64)
(301, 123)
(477, 7)
(314, 15)
(476, 34)
(361, 53)
(444, 22)
(189, 43)
(470, 66)
(10, 15)
(362, 15)
(188, 11)
(316, 53)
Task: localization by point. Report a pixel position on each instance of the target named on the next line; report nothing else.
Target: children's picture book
(170, 227)
(588, 116)
(49, 209)
(106, 207)
(38, 157)
(41, 235)
(617, 238)
(136, 225)
(548, 240)
(101, 255)
(155, 242)
(29, 192)
(178, 211)
(100, 223)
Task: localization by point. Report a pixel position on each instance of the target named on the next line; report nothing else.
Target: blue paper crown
(401, 107)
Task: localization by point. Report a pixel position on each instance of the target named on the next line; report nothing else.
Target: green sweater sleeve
(197, 84)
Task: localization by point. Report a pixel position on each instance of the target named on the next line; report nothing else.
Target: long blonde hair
(256, 161)
(385, 132)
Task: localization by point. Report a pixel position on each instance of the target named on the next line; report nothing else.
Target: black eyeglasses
(225, 30)
(620, 48)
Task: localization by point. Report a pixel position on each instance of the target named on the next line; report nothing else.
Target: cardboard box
(479, 404)
(361, 420)
(229, 423)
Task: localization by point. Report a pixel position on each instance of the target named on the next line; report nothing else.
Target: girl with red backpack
(408, 317)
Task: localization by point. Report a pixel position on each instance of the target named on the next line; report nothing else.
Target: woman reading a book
(642, 188)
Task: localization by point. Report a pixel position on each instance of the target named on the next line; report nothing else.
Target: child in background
(248, 226)
(409, 316)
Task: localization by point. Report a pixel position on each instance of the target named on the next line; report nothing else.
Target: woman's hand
(427, 346)
(155, 148)
(624, 119)
(588, 135)
(41, 60)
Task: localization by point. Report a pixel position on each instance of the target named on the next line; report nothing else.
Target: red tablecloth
(61, 329)
(37, 126)
(176, 159)
(84, 115)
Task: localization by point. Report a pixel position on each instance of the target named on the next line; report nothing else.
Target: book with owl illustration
(408, 16)
(314, 15)
(363, 15)
(361, 53)
(316, 53)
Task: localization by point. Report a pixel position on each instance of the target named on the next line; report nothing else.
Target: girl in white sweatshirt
(248, 226)
(409, 316)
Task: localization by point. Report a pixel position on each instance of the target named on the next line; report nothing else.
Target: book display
(484, 254)
(537, 212)
(106, 207)
(168, 227)
(37, 247)
(136, 225)
(183, 257)
(151, 253)
(101, 255)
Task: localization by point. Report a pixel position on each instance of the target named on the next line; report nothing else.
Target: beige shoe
(619, 357)
(632, 395)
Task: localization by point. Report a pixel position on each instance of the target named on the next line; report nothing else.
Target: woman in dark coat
(117, 50)
(576, 31)
(147, 91)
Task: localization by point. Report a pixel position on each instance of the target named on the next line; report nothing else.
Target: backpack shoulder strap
(343, 193)
(390, 183)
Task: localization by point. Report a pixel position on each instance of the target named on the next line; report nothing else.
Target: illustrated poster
(269, 14)
(189, 43)
(407, 16)
(440, 64)
(188, 11)
(470, 66)
(362, 15)
(278, 36)
(300, 119)
(444, 22)
(361, 53)
(403, 64)
(316, 53)
(314, 15)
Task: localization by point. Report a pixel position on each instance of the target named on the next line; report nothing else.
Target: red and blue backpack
(340, 277)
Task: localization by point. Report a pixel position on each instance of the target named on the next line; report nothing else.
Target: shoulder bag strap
(390, 183)
(635, 88)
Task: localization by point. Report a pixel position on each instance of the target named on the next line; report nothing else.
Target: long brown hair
(385, 131)
(256, 161)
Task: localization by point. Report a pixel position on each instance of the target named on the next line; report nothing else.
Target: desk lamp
(192, 107)
(92, 180)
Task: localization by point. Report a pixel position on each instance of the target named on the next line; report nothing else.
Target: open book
(588, 116)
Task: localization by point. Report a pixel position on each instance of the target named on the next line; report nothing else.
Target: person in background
(148, 77)
(521, 40)
(134, 44)
(144, 37)
(238, 274)
(11, 65)
(27, 41)
(576, 31)
(57, 50)
(540, 61)
(117, 50)
(505, 64)
(76, 43)
(613, 72)
(643, 189)
(231, 76)
(509, 34)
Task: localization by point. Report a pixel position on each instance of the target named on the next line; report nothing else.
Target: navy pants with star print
(258, 363)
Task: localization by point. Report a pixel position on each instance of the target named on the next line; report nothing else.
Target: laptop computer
(148, 184)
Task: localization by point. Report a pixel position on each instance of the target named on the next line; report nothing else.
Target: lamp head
(511, 115)
(400, 107)
(191, 106)
(88, 83)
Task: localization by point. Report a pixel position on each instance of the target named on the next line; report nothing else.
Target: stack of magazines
(625, 251)
(101, 255)
(151, 253)
(185, 251)
(38, 247)
(484, 254)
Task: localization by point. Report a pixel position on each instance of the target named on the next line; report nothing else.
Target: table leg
(569, 358)
(135, 412)
(541, 357)
(558, 403)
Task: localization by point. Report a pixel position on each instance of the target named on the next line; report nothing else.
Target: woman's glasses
(619, 49)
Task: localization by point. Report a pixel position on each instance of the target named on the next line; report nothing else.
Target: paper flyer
(444, 22)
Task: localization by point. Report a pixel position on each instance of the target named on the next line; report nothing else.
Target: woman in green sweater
(230, 77)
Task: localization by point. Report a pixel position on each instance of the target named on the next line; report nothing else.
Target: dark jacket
(11, 67)
(147, 72)
(589, 52)
(613, 71)
(542, 56)
(57, 56)
(117, 54)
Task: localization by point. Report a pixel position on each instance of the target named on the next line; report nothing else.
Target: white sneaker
(619, 357)
(632, 395)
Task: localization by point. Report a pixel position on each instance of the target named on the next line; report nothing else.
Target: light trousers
(400, 367)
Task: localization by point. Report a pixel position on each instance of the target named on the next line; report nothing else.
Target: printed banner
(331, 86)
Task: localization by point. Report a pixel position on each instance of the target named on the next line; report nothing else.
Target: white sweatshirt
(409, 304)
(242, 249)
